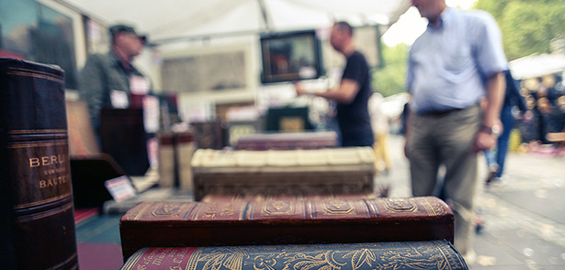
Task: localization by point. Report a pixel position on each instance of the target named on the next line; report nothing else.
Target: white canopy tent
(184, 28)
(537, 65)
(167, 21)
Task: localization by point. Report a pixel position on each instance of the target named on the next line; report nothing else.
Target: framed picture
(45, 32)
(218, 74)
(290, 56)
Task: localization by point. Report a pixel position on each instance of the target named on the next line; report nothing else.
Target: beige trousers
(447, 140)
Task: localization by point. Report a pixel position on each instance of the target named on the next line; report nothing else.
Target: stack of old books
(296, 209)
(283, 172)
(332, 232)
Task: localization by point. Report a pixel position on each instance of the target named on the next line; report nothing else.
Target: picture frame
(217, 74)
(290, 56)
(46, 32)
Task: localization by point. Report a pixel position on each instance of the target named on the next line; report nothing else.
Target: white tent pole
(265, 15)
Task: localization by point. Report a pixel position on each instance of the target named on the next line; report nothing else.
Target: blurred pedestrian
(455, 63)
(513, 100)
(352, 95)
(379, 122)
(108, 80)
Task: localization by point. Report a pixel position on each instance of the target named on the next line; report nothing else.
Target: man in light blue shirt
(456, 62)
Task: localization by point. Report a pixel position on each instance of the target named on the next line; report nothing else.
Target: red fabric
(84, 214)
(96, 256)
(8, 54)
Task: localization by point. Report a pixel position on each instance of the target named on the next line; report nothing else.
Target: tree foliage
(527, 26)
(391, 78)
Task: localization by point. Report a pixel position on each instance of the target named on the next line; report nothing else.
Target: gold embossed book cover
(284, 220)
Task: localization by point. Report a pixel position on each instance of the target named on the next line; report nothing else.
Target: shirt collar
(443, 19)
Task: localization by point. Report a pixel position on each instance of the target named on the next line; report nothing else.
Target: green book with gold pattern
(357, 256)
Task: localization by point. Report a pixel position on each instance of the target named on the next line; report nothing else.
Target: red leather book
(287, 141)
(438, 254)
(284, 221)
(37, 229)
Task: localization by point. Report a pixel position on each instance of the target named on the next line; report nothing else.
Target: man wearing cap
(108, 80)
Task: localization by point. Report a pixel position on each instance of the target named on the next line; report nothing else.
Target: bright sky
(410, 25)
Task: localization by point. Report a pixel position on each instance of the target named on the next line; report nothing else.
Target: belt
(441, 113)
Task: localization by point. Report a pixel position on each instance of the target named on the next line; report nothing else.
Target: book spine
(36, 191)
(285, 221)
(360, 256)
(166, 157)
(185, 149)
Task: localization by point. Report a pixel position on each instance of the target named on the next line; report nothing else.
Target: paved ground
(524, 214)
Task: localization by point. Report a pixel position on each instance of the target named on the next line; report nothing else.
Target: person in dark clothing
(512, 98)
(107, 80)
(352, 95)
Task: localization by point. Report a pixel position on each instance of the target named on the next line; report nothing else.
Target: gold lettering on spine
(45, 167)
(53, 181)
(47, 160)
(34, 162)
(170, 258)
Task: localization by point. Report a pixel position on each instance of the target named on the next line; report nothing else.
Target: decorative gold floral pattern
(278, 207)
(400, 205)
(375, 256)
(336, 206)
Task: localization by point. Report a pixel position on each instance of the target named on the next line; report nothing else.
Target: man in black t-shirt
(353, 93)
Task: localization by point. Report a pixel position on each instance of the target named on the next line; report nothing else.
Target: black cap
(114, 30)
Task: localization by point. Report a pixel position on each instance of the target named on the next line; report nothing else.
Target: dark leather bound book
(287, 141)
(284, 221)
(438, 254)
(36, 203)
(209, 135)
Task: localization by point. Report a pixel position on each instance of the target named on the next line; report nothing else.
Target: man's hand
(483, 141)
(299, 89)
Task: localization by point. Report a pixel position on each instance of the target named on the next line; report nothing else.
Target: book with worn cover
(438, 254)
(287, 141)
(323, 171)
(36, 203)
(174, 156)
(284, 221)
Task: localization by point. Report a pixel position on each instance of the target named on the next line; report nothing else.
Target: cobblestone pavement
(524, 213)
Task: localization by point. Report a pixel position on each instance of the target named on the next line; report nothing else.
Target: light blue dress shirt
(448, 64)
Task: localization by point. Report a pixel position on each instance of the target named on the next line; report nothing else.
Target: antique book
(175, 155)
(439, 254)
(284, 221)
(287, 141)
(185, 146)
(242, 196)
(167, 160)
(334, 170)
(36, 202)
(209, 135)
